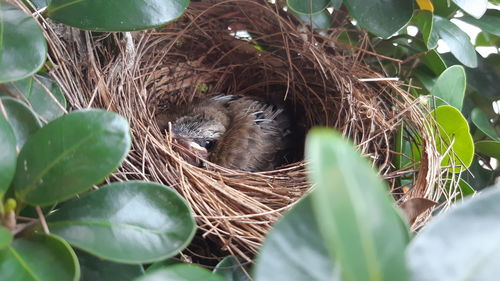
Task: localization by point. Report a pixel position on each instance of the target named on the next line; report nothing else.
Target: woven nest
(142, 73)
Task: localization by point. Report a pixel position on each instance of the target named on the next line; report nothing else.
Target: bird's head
(198, 133)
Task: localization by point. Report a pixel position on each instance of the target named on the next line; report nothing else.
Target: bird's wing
(257, 133)
(224, 99)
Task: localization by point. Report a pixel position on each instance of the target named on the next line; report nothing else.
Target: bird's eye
(208, 144)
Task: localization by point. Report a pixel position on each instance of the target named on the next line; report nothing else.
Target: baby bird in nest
(236, 132)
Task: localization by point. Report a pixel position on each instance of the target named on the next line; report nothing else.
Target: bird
(233, 131)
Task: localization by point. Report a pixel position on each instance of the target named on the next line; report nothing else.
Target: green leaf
(180, 272)
(355, 213)
(461, 244)
(22, 46)
(462, 190)
(444, 8)
(381, 17)
(434, 62)
(489, 148)
(453, 130)
(8, 154)
(483, 78)
(96, 269)
(465, 189)
(48, 105)
(479, 177)
(116, 15)
(39, 4)
(127, 222)
(423, 20)
(39, 258)
(161, 264)
(489, 23)
(450, 87)
(321, 20)
(307, 7)
(457, 40)
(23, 121)
(474, 8)
(231, 270)
(425, 76)
(69, 155)
(294, 249)
(486, 39)
(5, 237)
(399, 147)
(482, 122)
(336, 4)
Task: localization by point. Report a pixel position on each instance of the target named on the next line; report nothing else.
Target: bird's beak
(196, 148)
(192, 147)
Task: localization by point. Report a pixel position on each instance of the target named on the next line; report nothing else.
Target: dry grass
(138, 74)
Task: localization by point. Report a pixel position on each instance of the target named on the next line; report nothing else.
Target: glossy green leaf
(180, 272)
(475, 8)
(423, 20)
(481, 121)
(381, 17)
(398, 146)
(453, 130)
(231, 269)
(466, 189)
(489, 148)
(490, 22)
(116, 15)
(461, 190)
(444, 8)
(461, 244)
(457, 40)
(5, 237)
(23, 121)
(493, 60)
(434, 62)
(450, 87)
(479, 177)
(307, 6)
(127, 222)
(39, 258)
(321, 20)
(483, 78)
(162, 264)
(39, 4)
(336, 4)
(69, 155)
(354, 219)
(48, 105)
(486, 39)
(96, 269)
(426, 77)
(22, 46)
(8, 154)
(294, 249)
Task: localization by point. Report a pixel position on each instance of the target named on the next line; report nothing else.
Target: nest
(201, 54)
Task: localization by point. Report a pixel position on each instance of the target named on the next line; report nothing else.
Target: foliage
(125, 15)
(461, 78)
(320, 255)
(349, 230)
